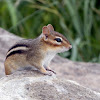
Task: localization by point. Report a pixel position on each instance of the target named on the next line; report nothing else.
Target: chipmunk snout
(70, 46)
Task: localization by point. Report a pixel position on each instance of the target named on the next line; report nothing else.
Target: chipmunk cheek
(65, 47)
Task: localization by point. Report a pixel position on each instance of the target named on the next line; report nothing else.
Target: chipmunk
(36, 53)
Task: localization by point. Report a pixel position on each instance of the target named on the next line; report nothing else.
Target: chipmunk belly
(47, 59)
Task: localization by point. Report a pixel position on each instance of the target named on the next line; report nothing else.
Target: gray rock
(86, 74)
(34, 86)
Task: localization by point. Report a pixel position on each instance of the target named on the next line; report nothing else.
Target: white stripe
(17, 48)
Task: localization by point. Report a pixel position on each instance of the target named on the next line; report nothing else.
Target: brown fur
(51, 42)
(35, 51)
(14, 62)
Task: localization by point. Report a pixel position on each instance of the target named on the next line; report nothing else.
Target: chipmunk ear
(50, 27)
(45, 30)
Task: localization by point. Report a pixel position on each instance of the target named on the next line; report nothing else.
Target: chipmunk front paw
(48, 73)
(51, 70)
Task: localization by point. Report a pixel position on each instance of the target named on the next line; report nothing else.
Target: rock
(86, 74)
(34, 86)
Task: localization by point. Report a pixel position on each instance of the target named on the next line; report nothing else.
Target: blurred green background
(78, 20)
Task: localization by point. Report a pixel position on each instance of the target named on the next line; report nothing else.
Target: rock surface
(28, 86)
(87, 74)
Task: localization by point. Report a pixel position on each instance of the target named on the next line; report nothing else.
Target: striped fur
(17, 49)
(18, 45)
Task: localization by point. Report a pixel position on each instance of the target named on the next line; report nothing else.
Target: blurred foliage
(78, 20)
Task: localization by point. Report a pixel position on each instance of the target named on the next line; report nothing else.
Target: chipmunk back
(36, 53)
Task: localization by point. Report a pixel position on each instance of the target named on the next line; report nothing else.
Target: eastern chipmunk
(36, 53)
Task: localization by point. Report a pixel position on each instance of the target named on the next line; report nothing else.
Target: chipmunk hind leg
(10, 67)
(7, 70)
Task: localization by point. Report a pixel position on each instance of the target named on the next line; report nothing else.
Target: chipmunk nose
(70, 46)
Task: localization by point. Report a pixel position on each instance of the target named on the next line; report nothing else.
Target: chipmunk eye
(58, 39)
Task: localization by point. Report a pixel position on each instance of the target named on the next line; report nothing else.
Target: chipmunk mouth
(67, 48)
(70, 46)
(63, 49)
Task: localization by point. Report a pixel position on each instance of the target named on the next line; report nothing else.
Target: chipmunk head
(56, 41)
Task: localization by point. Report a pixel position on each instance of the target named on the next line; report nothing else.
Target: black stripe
(15, 52)
(17, 45)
